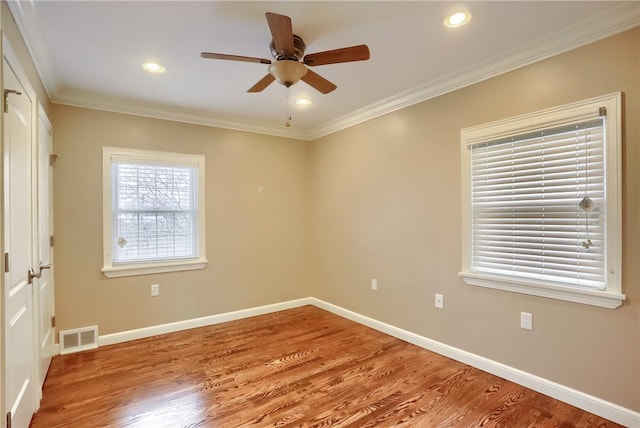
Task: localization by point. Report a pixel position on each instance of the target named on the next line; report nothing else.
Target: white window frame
(612, 296)
(119, 269)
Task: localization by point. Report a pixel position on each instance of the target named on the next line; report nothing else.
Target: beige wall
(257, 242)
(387, 206)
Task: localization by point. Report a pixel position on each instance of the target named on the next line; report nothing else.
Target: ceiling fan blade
(209, 55)
(262, 84)
(282, 33)
(353, 53)
(318, 82)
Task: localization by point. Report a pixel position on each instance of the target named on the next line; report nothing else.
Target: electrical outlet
(526, 320)
(439, 301)
(374, 284)
(155, 290)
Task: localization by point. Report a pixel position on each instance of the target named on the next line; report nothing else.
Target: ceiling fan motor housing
(298, 50)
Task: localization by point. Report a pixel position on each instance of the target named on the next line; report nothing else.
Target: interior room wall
(387, 206)
(257, 215)
(378, 200)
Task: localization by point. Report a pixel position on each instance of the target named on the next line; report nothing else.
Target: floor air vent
(79, 339)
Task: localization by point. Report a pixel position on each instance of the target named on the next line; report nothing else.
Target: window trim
(612, 296)
(120, 269)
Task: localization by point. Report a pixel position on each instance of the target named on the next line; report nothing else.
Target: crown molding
(612, 21)
(28, 22)
(195, 117)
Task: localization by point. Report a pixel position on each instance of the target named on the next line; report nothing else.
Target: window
(153, 217)
(541, 204)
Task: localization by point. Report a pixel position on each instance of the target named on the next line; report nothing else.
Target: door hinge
(51, 241)
(53, 158)
(6, 262)
(9, 419)
(6, 98)
(602, 111)
(53, 321)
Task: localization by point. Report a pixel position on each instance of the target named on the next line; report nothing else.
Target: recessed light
(154, 67)
(457, 19)
(303, 102)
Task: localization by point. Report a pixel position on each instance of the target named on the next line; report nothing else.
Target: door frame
(42, 116)
(9, 54)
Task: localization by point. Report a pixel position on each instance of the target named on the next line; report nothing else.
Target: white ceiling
(89, 53)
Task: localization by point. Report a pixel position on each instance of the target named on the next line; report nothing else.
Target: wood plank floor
(299, 367)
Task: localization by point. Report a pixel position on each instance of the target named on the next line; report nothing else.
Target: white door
(18, 227)
(44, 285)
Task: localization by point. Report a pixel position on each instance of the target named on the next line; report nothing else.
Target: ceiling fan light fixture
(287, 72)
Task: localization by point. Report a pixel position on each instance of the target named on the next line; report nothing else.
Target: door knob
(32, 274)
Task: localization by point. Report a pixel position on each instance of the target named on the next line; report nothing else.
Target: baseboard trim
(141, 333)
(590, 403)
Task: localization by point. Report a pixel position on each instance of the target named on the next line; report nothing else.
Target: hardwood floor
(300, 367)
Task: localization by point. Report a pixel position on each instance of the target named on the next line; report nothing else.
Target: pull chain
(586, 203)
(288, 109)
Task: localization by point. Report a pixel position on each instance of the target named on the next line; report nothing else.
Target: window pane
(155, 212)
(148, 187)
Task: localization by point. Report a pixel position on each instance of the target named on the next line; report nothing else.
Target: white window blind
(538, 208)
(541, 203)
(155, 212)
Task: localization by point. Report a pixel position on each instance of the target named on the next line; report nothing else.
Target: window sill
(151, 268)
(602, 299)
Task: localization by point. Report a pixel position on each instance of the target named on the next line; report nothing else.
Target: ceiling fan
(290, 64)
